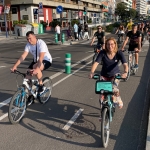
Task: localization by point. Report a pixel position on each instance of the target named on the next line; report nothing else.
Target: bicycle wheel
(105, 127)
(47, 94)
(17, 107)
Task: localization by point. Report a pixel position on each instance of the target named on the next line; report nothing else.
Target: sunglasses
(99, 28)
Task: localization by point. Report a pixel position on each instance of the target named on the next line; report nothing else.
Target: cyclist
(41, 58)
(111, 57)
(120, 32)
(141, 29)
(129, 25)
(100, 36)
(135, 42)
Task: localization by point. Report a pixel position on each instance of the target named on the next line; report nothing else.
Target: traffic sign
(40, 5)
(59, 9)
(35, 11)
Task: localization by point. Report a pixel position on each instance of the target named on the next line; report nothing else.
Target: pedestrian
(75, 31)
(80, 31)
(69, 32)
(86, 31)
(57, 29)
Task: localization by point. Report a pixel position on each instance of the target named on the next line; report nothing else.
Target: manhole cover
(80, 128)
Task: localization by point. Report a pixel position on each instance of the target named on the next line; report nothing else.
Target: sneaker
(41, 89)
(136, 66)
(30, 100)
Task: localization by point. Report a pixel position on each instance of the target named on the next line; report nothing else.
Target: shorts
(46, 64)
(132, 47)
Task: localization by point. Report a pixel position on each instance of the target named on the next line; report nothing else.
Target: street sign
(40, 5)
(59, 9)
(35, 11)
(40, 10)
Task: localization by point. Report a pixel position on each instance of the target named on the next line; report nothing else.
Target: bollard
(68, 63)
(63, 38)
(56, 38)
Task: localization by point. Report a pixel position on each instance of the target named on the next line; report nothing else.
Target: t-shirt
(129, 25)
(85, 28)
(41, 47)
(58, 29)
(75, 28)
(110, 66)
(134, 37)
(99, 36)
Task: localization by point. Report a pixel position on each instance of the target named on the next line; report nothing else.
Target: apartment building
(128, 3)
(134, 4)
(73, 9)
(141, 7)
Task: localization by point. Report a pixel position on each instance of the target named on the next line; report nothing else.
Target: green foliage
(94, 28)
(121, 10)
(15, 22)
(44, 23)
(54, 23)
(74, 21)
(131, 13)
(109, 28)
(89, 21)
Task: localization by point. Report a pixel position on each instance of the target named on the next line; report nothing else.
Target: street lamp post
(5, 19)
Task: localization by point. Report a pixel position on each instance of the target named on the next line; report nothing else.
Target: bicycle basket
(103, 85)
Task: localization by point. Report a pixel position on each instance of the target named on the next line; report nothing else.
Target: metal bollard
(56, 38)
(68, 63)
(63, 38)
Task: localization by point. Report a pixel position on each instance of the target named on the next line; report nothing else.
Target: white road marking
(5, 115)
(89, 52)
(5, 102)
(56, 57)
(72, 120)
(2, 66)
(20, 51)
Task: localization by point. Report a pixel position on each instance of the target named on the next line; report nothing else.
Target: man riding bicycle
(135, 42)
(129, 26)
(41, 58)
(101, 38)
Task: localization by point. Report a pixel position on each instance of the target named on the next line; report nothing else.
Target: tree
(132, 13)
(121, 10)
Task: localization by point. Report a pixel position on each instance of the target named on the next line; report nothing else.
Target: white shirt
(41, 47)
(57, 29)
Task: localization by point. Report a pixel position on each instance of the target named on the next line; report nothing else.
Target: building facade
(141, 7)
(134, 4)
(72, 9)
(128, 3)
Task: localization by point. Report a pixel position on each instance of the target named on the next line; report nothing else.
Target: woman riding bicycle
(110, 58)
(120, 32)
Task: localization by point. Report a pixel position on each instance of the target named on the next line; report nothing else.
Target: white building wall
(141, 6)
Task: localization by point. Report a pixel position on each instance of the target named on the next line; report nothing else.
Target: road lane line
(5, 115)
(56, 57)
(5, 102)
(2, 66)
(72, 120)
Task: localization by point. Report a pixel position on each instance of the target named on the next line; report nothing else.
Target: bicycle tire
(48, 84)
(105, 113)
(94, 57)
(14, 106)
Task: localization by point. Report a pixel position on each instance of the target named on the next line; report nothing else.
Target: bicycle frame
(25, 82)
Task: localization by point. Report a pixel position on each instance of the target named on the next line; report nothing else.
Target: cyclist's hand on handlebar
(13, 69)
(91, 75)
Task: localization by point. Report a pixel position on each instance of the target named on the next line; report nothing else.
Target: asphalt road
(41, 128)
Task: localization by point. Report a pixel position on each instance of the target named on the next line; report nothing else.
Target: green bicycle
(105, 88)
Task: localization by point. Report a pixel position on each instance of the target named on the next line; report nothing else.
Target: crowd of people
(76, 32)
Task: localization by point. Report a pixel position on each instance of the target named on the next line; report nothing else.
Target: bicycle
(105, 88)
(18, 103)
(131, 64)
(97, 49)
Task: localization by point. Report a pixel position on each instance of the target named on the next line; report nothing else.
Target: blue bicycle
(18, 103)
(105, 88)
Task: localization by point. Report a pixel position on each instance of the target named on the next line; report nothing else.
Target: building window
(14, 10)
(25, 17)
(3, 24)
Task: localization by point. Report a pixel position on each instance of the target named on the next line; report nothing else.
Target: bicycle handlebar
(117, 76)
(20, 73)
